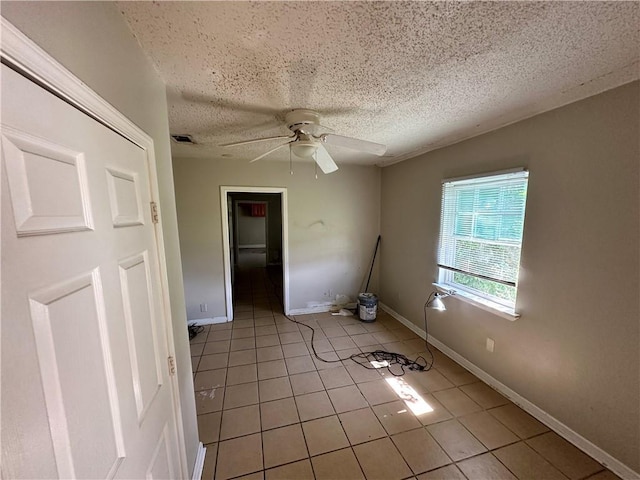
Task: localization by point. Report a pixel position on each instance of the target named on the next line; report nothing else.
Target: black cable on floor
(390, 358)
(194, 330)
(426, 332)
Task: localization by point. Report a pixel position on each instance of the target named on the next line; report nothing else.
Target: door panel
(161, 465)
(85, 387)
(48, 185)
(60, 341)
(124, 197)
(141, 333)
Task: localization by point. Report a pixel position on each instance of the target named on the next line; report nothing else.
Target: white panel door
(85, 387)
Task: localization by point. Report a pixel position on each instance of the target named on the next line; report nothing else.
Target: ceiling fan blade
(255, 140)
(354, 144)
(269, 151)
(324, 160)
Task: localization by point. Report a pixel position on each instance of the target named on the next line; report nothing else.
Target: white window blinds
(481, 227)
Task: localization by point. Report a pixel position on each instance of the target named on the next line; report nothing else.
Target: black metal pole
(366, 289)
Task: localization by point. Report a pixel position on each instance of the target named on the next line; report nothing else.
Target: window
(481, 236)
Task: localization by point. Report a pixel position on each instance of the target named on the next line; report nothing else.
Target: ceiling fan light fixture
(304, 148)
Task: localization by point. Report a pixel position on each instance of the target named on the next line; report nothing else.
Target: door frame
(228, 287)
(23, 55)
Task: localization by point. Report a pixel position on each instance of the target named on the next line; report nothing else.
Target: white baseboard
(410, 325)
(553, 423)
(306, 311)
(207, 321)
(199, 464)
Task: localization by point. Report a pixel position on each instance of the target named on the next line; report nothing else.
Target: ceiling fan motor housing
(297, 119)
(305, 145)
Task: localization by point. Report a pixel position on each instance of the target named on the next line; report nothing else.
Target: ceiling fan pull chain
(315, 161)
(290, 162)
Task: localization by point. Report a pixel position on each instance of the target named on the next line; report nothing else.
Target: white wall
(333, 226)
(575, 350)
(251, 230)
(93, 41)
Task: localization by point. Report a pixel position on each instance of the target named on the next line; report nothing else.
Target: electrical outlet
(203, 307)
(490, 344)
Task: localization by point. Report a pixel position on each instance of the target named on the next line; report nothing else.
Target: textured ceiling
(412, 75)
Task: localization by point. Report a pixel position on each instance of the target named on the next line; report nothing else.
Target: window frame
(448, 221)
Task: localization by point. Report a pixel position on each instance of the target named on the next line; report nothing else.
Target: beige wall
(333, 226)
(93, 41)
(251, 230)
(575, 350)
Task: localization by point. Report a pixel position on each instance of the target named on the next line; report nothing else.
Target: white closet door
(85, 387)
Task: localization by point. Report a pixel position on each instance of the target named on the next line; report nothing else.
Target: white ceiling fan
(308, 139)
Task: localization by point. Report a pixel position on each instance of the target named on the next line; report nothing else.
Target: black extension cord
(194, 330)
(365, 358)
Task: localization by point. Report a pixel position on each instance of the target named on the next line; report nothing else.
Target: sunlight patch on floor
(411, 398)
(381, 364)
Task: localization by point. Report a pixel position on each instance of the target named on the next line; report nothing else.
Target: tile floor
(267, 409)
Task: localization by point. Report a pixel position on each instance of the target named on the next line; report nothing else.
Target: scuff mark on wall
(320, 223)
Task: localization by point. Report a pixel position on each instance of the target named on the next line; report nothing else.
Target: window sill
(484, 304)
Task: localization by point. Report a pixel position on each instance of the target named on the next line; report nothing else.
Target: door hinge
(154, 212)
(172, 365)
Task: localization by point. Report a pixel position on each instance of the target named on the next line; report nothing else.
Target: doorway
(255, 244)
(254, 230)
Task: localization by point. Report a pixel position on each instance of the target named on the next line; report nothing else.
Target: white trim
(477, 301)
(224, 191)
(308, 310)
(554, 424)
(207, 321)
(199, 463)
(323, 308)
(228, 279)
(494, 173)
(29, 58)
(236, 248)
(410, 325)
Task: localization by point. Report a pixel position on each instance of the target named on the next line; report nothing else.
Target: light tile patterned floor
(267, 409)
